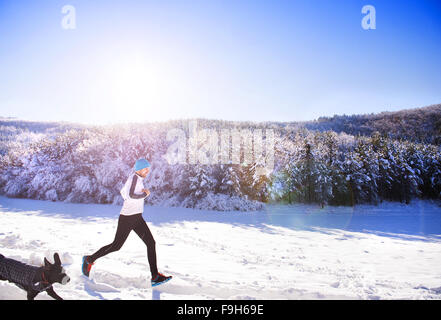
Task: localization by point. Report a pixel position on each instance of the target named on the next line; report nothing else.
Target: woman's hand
(146, 191)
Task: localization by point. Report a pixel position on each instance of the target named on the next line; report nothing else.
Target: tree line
(90, 165)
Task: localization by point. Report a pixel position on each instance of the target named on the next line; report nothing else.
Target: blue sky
(233, 60)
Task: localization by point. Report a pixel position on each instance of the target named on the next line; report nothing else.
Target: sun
(135, 83)
(132, 88)
(132, 85)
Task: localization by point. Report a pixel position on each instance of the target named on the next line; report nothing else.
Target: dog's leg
(32, 294)
(52, 293)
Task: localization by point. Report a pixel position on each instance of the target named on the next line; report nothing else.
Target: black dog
(34, 279)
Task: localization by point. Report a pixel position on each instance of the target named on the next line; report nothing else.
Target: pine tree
(366, 172)
(323, 183)
(228, 179)
(198, 183)
(254, 184)
(431, 173)
(409, 162)
(386, 166)
(302, 175)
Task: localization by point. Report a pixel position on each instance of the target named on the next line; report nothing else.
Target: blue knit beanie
(141, 164)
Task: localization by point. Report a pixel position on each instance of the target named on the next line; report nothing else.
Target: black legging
(125, 225)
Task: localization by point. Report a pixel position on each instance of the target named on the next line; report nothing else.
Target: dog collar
(44, 280)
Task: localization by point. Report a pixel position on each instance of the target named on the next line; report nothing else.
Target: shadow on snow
(417, 220)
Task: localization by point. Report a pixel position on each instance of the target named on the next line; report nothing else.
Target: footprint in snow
(93, 287)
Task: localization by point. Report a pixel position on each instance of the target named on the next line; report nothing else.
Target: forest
(343, 160)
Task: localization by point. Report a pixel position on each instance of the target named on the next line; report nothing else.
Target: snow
(391, 251)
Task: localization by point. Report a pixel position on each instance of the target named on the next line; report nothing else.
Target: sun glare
(135, 85)
(133, 88)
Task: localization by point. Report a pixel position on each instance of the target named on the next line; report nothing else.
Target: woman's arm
(132, 193)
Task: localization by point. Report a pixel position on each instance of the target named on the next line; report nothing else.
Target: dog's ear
(46, 263)
(57, 259)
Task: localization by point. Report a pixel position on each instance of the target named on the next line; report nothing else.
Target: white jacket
(133, 201)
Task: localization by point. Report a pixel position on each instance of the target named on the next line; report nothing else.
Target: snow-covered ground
(285, 252)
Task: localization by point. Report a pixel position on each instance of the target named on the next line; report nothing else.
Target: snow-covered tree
(90, 164)
(198, 183)
(228, 178)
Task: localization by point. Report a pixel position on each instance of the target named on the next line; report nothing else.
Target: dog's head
(55, 272)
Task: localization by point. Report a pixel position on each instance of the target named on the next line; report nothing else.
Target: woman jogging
(130, 218)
